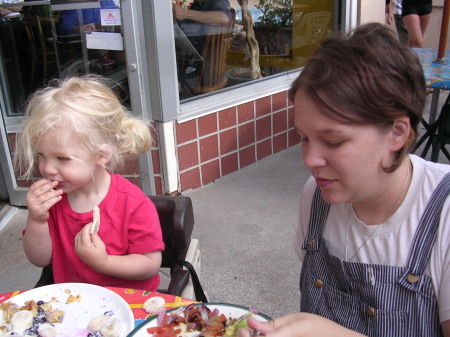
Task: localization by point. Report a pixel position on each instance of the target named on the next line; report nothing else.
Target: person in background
(77, 132)
(374, 220)
(69, 20)
(394, 14)
(5, 11)
(416, 16)
(197, 21)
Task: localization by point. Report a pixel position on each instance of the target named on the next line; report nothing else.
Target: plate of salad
(206, 319)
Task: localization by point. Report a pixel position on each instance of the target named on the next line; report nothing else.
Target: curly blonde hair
(94, 114)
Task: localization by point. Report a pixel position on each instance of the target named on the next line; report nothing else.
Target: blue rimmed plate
(229, 310)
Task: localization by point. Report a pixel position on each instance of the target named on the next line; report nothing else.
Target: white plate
(95, 301)
(229, 310)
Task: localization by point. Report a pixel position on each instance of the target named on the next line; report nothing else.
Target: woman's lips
(322, 182)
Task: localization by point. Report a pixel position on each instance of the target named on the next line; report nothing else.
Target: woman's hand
(40, 198)
(298, 325)
(91, 249)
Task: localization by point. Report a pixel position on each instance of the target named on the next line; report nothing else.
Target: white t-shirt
(388, 243)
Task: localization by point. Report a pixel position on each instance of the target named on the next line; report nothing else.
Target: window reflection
(202, 36)
(38, 44)
(286, 32)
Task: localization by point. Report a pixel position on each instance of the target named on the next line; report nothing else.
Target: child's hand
(90, 248)
(41, 197)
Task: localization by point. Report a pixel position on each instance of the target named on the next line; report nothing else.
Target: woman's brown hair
(366, 78)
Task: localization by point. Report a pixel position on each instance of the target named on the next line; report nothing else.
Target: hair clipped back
(366, 77)
(91, 111)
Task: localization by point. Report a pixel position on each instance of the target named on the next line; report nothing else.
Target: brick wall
(223, 142)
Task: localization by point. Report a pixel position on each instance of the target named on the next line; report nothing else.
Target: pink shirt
(129, 224)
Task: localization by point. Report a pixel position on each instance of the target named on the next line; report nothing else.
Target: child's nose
(49, 169)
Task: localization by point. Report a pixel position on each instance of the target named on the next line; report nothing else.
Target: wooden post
(444, 32)
(252, 44)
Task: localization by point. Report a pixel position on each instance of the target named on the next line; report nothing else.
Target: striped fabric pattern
(375, 300)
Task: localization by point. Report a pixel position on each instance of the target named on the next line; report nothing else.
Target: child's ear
(104, 154)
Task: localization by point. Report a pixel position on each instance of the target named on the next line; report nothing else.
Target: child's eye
(303, 139)
(63, 158)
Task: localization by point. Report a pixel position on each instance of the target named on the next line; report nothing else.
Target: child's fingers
(96, 240)
(83, 235)
(42, 191)
(42, 186)
(41, 197)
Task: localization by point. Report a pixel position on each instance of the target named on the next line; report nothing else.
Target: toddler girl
(77, 132)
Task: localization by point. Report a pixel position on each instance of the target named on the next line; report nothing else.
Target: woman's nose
(312, 156)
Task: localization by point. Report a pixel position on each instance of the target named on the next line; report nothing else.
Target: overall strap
(425, 235)
(317, 219)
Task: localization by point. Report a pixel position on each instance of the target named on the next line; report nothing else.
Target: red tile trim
(209, 148)
(207, 124)
(247, 156)
(186, 131)
(234, 138)
(190, 179)
(210, 172)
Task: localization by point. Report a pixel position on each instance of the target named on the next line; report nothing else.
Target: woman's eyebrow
(323, 132)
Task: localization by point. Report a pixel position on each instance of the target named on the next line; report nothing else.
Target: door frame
(138, 81)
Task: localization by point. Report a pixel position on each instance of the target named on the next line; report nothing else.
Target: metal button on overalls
(371, 312)
(318, 283)
(412, 278)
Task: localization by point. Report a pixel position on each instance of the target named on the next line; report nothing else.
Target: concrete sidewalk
(245, 223)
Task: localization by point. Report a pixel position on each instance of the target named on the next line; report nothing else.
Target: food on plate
(95, 220)
(96, 323)
(47, 330)
(112, 328)
(27, 319)
(55, 316)
(104, 326)
(21, 320)
(42, 319)
(241, 323)
(73, 298)
(154, 304)
(197, 320)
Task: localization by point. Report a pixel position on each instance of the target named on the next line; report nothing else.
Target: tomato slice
(164, 331)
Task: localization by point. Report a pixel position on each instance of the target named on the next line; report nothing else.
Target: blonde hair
(94, 114)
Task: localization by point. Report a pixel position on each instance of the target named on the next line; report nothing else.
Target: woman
(416, 16)
(373, 235)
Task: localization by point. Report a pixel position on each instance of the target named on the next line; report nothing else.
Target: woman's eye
(334, 143)
(303, 139)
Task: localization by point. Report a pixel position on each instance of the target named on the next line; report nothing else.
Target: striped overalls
(375, 300)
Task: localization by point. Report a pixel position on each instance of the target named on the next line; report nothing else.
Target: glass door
(45, 40)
